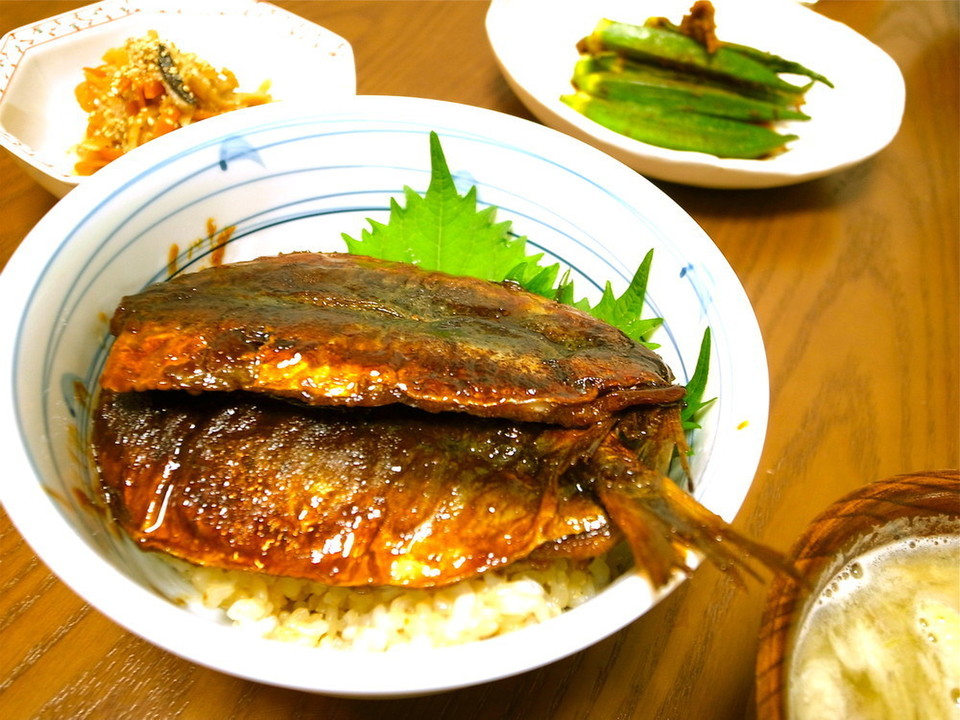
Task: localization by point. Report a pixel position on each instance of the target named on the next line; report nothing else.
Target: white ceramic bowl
(42, 63)
(291, 179)
(848, 124)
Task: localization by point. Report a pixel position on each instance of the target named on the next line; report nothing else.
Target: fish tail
(662, 523)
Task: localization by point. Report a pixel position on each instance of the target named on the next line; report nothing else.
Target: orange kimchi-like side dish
(144, 90)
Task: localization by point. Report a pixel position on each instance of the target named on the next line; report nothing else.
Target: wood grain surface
(854, 279)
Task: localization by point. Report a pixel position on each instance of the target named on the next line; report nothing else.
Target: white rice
(382, 618)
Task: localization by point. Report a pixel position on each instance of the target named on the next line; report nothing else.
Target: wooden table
(854, 279)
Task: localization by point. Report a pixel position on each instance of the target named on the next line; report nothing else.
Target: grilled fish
(362, 422)
(337, 329)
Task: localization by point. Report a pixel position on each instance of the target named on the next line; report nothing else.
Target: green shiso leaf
(624, 311)
(443, 230)
(694, 404)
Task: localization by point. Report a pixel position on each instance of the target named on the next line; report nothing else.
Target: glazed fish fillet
(361, 422)
(345, 330)
(387, 496)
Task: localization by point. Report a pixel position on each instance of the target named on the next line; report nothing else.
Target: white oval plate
(535, 48)
(289, 178)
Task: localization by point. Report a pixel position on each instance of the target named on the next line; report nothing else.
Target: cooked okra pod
(674, 93)
(675, 50)
(774, 62)
(681, 87)
(680, 130)
(617, 63)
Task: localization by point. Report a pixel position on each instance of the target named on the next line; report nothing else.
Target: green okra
(678, 130)
(674, 93)
(615, 62)
(774, 62)
(675, 50)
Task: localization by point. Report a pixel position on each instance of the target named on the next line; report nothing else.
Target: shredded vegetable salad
(145, 89)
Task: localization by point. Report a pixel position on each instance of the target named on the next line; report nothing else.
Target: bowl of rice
(283, 177)
(81, 88)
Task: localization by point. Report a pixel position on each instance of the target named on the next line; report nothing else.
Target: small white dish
(291, 178)
(536, 50)
(42, 63)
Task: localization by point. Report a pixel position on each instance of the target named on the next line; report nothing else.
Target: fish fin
(662, 522)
